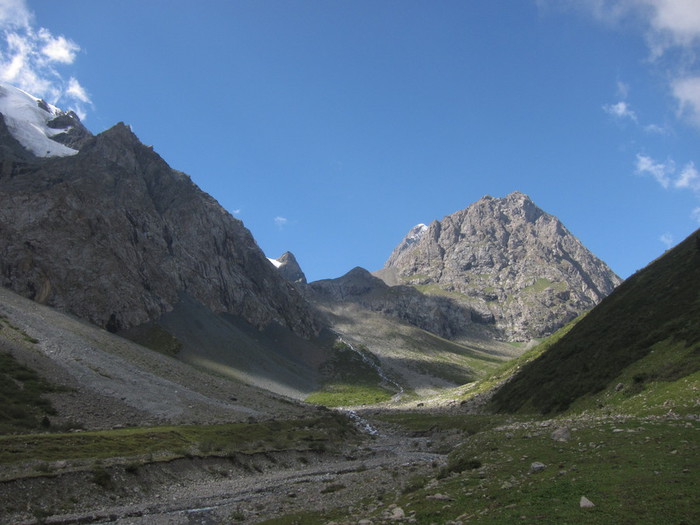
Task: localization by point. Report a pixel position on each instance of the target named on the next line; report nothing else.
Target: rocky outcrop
(437, 314)
(116, 237)
(508, 258)
(73, 134)
(289, 268)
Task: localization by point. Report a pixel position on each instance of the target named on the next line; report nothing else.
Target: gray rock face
(289, 268)
(508, 259)
(75, 135)
(116, 237)
(440, 315)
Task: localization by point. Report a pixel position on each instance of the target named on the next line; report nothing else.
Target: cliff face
(504, 258)
(115, 236)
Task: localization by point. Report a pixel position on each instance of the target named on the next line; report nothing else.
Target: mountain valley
(158, 367)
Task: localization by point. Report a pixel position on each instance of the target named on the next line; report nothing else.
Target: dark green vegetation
(419, 423)
(22, 406)
(318, 433)
(634, 470)
(510, 368)
(350, 379)
(655, 310)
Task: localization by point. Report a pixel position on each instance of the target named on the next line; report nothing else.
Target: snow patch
(416, 233)
(27, 119)
(275, 262)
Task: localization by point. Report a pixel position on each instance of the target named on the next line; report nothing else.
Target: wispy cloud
(695, 215)
(620, 110)
(33, 59)
(687, 93)
(667, 240)
(672, 31)
(666, 174)
(655, 129)
(689, 178)
(57, 49)
(280, 222)
(659, 171)
(623, 89)
(673, 23)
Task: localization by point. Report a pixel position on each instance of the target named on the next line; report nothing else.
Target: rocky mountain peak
(113, 235)
(42, 129)
(509, 257)
(412, 237)
(72, 131)
(289, 268)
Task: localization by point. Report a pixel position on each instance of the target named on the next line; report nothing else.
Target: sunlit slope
(418, 361)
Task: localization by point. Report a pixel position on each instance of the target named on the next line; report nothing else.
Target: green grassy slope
(422, 363)
(22, 407)
(654, 312)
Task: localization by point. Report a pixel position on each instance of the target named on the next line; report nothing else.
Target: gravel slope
(115, 382)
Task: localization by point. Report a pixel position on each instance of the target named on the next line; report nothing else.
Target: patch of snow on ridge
(416, 233)
(27, 119)
(275, 262)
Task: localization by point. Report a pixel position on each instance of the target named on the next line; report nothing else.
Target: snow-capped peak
(416, 233)
(27, 118)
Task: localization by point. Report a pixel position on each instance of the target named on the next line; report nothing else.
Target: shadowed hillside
(655, 310)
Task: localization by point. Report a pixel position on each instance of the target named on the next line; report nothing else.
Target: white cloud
(667, 239)
(687, 92)
(620, 110)
(695, 215)
(77, 91)
(673, 23)
(656, 129)
(31, 59)
(661, 172)
(237, 211)
(672, 32)
(623, 89)
(689, 178)
(57, 49)
(14, 13)
(280, 222)
(665, 174)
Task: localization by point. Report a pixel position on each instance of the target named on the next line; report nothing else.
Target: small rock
(561, 434)
(619, 387)
(537, 466)
(364, 522)
(585, 503)
(440, 497)
(397, 513)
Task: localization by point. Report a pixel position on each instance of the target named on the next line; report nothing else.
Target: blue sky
(330, 128)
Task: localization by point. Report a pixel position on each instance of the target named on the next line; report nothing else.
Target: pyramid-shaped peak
(289, 268)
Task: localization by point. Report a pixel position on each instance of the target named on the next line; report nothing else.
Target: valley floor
(423, 467)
